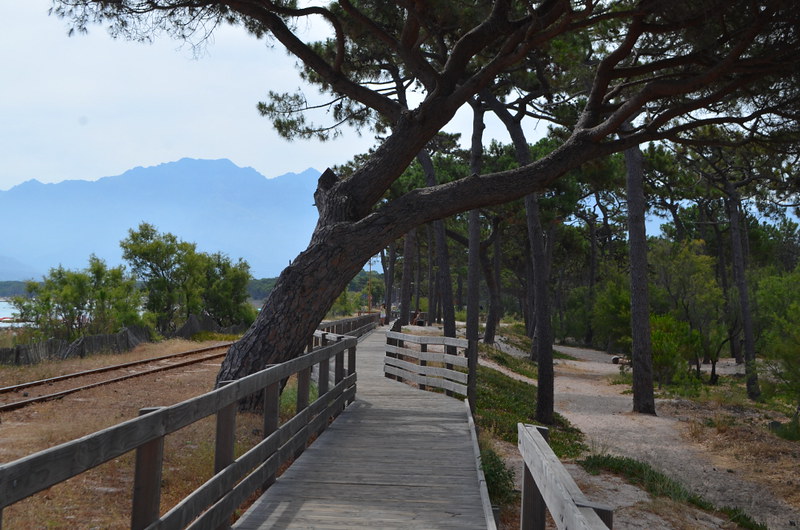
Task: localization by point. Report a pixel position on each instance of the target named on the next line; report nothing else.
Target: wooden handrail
(546, 483)
(405, 364)
(28, 475)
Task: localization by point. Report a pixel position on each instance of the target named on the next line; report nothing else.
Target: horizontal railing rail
(354, 327)
(212, 504)
(547, 486)
(426, 368)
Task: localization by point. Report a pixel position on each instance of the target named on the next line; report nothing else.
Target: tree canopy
(614, 74)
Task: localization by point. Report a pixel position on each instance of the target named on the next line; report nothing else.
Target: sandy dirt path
(602, 411)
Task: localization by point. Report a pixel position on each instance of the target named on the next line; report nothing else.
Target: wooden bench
(547, 486)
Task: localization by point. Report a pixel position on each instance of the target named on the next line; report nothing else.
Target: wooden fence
(547, 485)
(405, 364)
(212, 504)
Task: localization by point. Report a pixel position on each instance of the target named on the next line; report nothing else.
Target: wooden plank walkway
(397, 457)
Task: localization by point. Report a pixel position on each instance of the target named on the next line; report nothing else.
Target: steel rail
(57, 395)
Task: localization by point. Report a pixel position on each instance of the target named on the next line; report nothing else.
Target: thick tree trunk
(739, 276)
(643, 398)
(293, 309)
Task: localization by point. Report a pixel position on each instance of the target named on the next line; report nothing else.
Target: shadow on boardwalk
(397, 457)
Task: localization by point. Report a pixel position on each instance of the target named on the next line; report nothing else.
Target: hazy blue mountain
(214, 203)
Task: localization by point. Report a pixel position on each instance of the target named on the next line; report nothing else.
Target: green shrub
(499, 478)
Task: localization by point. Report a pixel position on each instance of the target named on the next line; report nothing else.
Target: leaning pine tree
(678, 65)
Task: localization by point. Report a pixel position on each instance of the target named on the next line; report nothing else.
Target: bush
(673, 345)
(499, 478)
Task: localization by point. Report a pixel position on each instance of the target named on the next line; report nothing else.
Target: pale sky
(89, 106)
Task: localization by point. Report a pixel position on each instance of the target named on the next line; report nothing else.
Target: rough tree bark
(409, 248)
(642, 356)
(542, 348)
(442, 254)
(352, 227)
(492, 274)
(473, 265)
(739, 276)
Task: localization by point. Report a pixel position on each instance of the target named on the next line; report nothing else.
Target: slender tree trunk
(543, 336)
(417, 276)
(442, 255)
(389, 279)
(473, 265)
(732, 324)
(409, 246)
(643, 398)
(431, 277)
(542, 351)
(739, 276)
(491, 271)
(473, 303)
(590, 222)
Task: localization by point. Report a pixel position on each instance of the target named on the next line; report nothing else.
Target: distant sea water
(6, 310)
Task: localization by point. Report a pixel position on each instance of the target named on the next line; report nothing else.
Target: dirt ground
(730, 463)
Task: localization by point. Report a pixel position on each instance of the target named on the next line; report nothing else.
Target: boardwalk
(397, 457)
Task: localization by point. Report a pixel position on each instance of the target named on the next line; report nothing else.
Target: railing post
(226, 439)
(533, 510)
(147, 480)
(452, 350)
(339, 368)
(303, 396)
(324, 377)
(423, 348)
(303, 388)
(226, 435)
(272, 408)
(351, 366)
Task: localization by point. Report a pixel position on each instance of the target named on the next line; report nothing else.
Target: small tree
(674, 343)
(67, 304)
(778, 299)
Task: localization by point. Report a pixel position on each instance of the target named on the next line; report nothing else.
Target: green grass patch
(789, 431)
(288, 407)
(210, 335)
(503, 402)
(659, 485)
(524, 367)
(499, 478)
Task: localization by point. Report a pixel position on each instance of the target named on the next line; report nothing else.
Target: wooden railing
(546, 485)
(235, 480)
(354, 327)
(406, 364)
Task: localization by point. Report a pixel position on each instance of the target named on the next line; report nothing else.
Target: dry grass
(14, 375)
(739, 440)
(101, 498)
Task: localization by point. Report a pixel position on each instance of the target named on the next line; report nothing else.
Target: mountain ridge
(213, 203)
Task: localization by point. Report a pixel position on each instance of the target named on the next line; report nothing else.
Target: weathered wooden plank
(556, 489)
(361, 474)
(423, 380)
(428, 339)
(28, 475)
(429, 356)
(433, 371)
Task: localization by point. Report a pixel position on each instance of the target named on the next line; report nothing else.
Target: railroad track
(18, 396)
